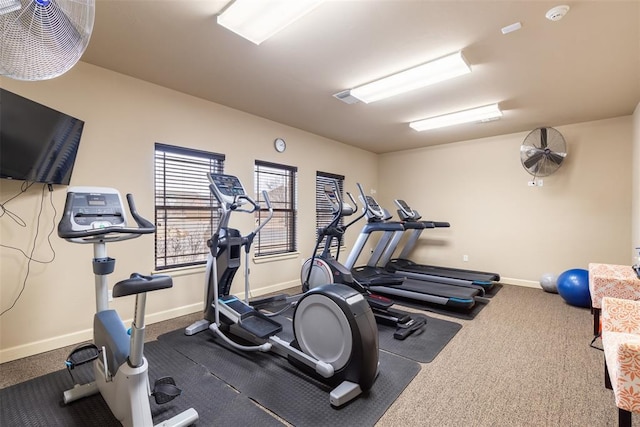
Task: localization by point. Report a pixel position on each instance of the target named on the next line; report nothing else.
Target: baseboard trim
(520, 282)
(53, 343)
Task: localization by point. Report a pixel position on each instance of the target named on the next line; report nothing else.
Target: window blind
(279, 181)
(185, 210)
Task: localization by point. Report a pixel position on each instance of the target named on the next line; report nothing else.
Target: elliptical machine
(96, 215)
(335, 334)
(325, 268)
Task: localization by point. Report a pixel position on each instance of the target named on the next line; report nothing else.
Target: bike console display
(95, 207)
(94, 214)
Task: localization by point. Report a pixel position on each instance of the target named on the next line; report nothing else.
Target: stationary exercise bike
(325, 268)
(335, 333)
(96, 215)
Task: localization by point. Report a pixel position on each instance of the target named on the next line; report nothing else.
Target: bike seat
(138, 283)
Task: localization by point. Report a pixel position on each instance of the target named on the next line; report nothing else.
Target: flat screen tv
(37, 143)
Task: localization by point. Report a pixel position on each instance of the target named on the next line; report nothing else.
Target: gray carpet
(524, 361)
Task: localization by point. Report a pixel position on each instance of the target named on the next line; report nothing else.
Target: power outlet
(465, 258)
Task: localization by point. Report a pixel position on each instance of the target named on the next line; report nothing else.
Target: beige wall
(580, 215)
(635, 182)
(123, 118)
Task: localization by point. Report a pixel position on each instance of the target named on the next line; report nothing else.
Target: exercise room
(319, 213)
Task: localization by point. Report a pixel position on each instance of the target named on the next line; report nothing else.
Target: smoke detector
(557, 13)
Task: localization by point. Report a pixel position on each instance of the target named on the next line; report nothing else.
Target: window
(186, 211)
(279, 235)
(323, 207)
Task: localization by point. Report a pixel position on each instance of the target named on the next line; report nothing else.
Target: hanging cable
(35, 241)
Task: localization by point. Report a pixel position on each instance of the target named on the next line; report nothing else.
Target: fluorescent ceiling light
(441, 69)
(257, 20)
(7, 6)
(479, 114)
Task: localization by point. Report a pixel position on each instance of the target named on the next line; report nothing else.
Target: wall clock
(280, 145)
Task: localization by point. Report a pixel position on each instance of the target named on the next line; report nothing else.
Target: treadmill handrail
(382, 226)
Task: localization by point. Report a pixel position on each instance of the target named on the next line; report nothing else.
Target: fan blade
(543, 137)
(555, 158)
(533, 160)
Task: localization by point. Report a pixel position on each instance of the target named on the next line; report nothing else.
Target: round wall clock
(280, 145)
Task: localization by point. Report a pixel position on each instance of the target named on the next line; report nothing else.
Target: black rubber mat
(38, 402)
(286, 391)
(493, 291)
(423, 345)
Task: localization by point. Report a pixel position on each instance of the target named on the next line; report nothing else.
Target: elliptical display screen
(227, 185)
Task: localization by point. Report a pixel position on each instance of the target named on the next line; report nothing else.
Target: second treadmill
(380, 281)
(403, 265)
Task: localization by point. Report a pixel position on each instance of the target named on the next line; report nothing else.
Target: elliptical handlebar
(355, 209)
(237, 202)
(90, 233)
(267, 201)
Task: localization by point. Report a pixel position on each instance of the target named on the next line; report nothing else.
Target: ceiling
(584, 67)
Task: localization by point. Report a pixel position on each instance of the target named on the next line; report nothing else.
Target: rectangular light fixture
(256, 20)
(441, 69)
(479, 114)
(7, 6)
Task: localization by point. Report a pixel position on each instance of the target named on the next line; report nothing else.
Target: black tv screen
(37, 143)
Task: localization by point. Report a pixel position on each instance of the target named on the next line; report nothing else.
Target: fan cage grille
(44, 39)
(539, 160)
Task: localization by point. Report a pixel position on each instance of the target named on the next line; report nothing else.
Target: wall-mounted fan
(42, 39)
(543, 151)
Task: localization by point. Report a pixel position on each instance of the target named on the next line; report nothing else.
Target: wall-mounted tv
(37, 143)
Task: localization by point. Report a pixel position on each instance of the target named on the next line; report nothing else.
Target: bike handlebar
(144, 226)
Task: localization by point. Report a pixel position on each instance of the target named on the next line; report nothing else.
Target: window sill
(274, 258)
(181, 271)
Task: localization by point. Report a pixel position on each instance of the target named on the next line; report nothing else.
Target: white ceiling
(582, 68)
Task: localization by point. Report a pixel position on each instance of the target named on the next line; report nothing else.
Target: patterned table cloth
(621, 343)
(609, 280)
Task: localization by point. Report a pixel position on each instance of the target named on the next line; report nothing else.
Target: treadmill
(403, 265)
(380, 281)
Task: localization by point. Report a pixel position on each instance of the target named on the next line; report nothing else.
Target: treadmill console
(226, 188)
(373, 207)
(405, 210)
(94, 207)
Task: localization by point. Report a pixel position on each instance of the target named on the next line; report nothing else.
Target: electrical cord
(15, 217)
(35, 238)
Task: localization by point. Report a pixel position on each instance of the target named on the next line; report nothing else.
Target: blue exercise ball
(573, 287)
